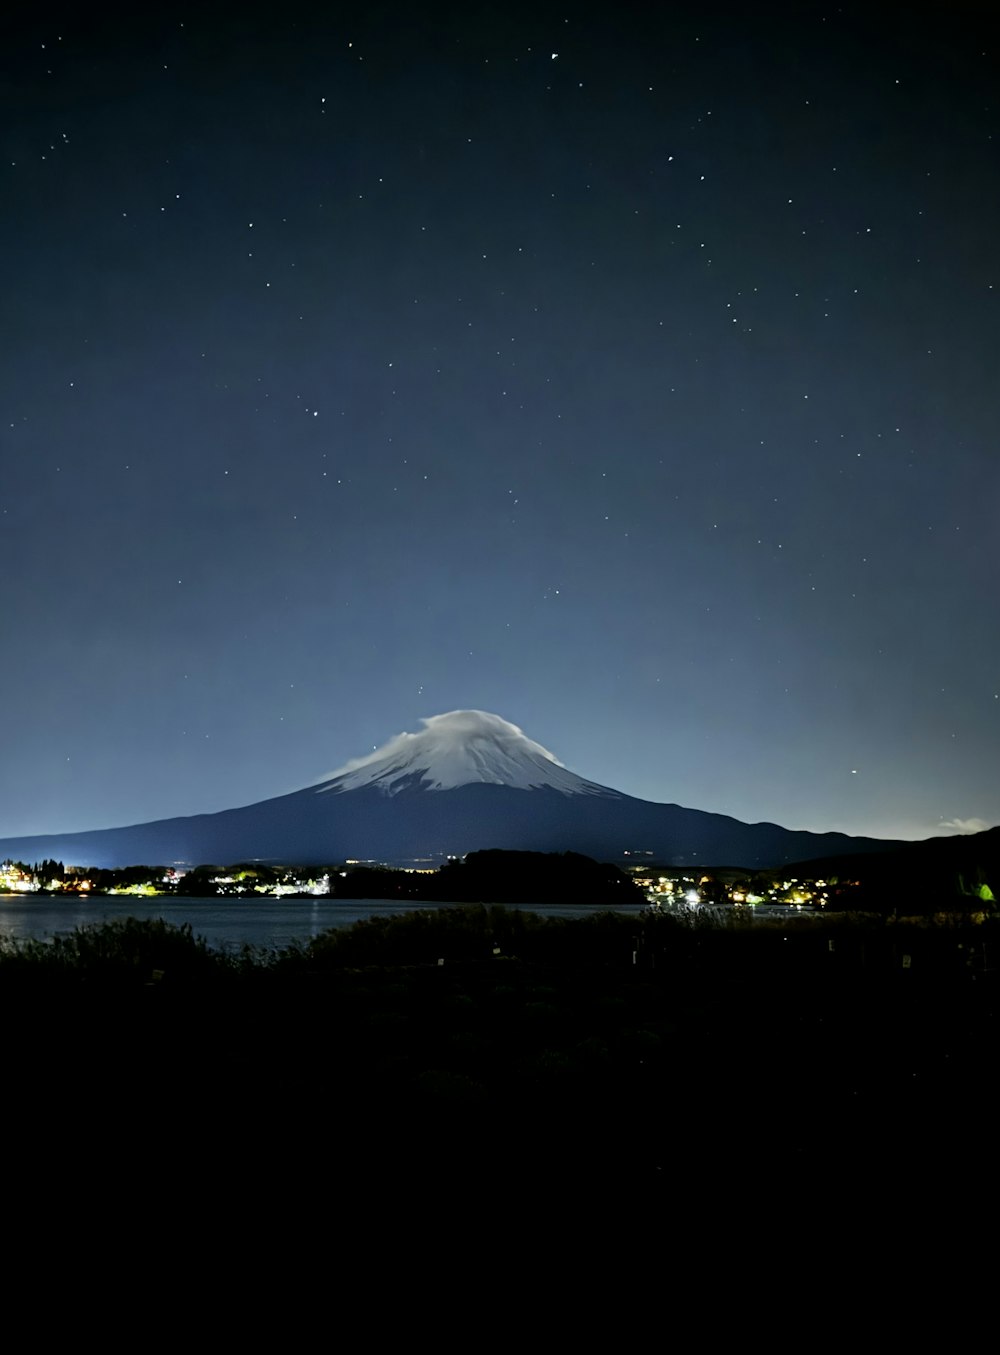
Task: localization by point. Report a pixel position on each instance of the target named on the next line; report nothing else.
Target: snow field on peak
(460, 748)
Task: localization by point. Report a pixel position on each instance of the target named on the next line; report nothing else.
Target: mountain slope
(467, 781)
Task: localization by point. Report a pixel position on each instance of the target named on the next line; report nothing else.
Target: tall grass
(152, 951)
(123, 949)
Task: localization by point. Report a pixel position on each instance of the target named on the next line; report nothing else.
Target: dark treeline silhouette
(47, 869)
(526, 877)
(490, 877)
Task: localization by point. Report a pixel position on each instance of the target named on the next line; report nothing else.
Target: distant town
(902, 884)
(660, 887)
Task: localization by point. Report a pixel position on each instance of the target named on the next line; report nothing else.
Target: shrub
(125, 948)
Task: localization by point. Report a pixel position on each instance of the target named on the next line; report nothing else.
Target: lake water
(224, 923)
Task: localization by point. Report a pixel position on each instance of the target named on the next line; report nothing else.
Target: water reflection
(224, 923)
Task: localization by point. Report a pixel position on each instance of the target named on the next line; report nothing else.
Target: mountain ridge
(396, 806)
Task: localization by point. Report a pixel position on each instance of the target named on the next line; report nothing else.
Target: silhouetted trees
(534, 877)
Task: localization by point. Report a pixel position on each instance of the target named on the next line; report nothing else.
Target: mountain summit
(461, 748)
(465, 782)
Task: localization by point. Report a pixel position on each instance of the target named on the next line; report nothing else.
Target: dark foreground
(719, 1085)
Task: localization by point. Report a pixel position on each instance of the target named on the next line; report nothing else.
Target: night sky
(635, 377)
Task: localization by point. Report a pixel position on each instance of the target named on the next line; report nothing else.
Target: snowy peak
(460, 748)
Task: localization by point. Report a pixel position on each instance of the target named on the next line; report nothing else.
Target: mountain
(468, 780)
(929, 873)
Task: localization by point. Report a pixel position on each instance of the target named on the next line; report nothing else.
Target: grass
(591, 1051)
(152, 950)
(119, 950)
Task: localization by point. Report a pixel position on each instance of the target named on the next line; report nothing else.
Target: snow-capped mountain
(467, 780)
(461, 748)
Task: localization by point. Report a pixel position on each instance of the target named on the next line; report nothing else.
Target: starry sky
(633, 376)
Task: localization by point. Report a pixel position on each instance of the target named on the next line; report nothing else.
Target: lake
(224, 923)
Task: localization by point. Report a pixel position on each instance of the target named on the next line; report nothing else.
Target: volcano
(466, 781)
